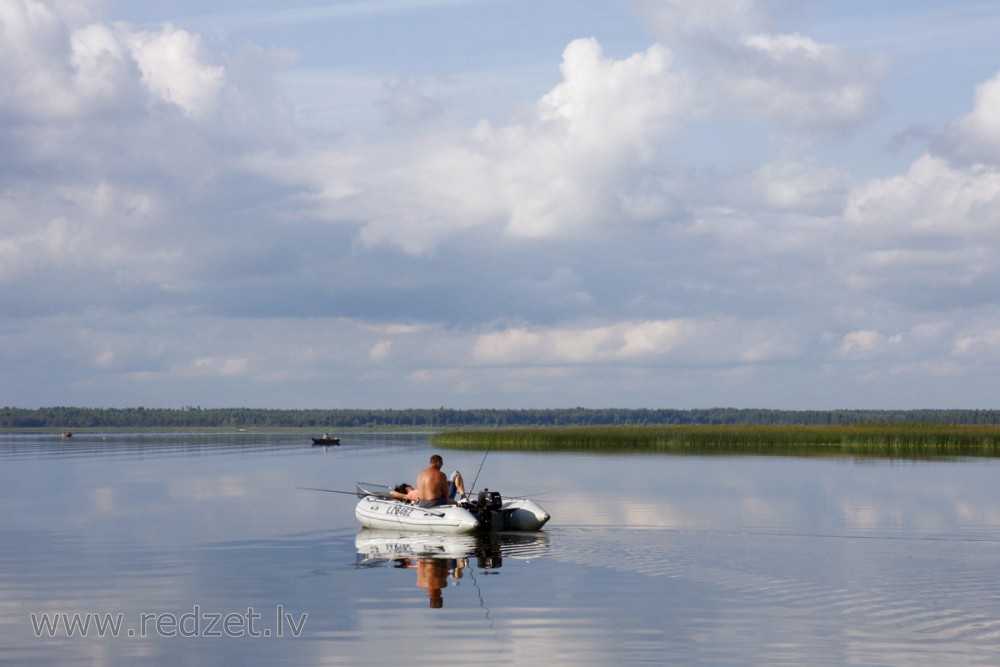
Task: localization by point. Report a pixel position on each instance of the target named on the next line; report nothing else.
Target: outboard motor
(489, 500)
(487, 504)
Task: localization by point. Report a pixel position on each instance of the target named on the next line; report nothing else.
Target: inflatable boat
(488, 511)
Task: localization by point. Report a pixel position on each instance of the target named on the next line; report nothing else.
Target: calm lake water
(203, 551)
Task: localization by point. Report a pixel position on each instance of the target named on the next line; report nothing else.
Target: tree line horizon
(198, 417)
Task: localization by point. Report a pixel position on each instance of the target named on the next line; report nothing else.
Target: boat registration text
(399, 510)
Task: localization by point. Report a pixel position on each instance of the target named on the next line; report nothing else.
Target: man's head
(437, 461)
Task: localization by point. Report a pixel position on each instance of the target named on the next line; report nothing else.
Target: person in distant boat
(453, 489)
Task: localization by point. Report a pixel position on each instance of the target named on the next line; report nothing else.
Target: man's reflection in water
(432, 575)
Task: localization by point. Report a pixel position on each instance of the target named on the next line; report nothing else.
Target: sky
(789, 204)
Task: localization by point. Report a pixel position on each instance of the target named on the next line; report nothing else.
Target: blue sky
(750, 203)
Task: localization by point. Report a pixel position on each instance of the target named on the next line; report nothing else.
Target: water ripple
(865, 588)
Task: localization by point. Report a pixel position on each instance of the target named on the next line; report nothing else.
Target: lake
(199, 549)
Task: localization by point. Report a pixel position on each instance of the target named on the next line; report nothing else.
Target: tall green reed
(913, 441)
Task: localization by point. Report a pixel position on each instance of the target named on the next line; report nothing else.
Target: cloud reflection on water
(721, 560)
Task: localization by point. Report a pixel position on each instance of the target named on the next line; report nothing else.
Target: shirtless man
(433, 484)
(456, 489)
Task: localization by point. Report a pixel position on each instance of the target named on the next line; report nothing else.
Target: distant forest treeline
(197, 417)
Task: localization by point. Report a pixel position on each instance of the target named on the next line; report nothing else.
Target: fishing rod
(363, 489)
(473, 487)
(311, 488)
(370, 493)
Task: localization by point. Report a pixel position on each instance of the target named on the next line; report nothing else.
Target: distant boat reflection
(436, 557)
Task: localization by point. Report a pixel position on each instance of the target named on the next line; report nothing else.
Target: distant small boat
(67, 434)
(326, 440)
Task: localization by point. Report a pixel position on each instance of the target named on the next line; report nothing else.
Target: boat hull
(524, 514)
(326, 441)
(388, 514)
(519, 514)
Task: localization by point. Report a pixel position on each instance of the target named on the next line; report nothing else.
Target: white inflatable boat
(489, 511)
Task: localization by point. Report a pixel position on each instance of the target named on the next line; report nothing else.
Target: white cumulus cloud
(563, 170)
(786, 78)
(976, 136)
(679, 340)
(174, 67)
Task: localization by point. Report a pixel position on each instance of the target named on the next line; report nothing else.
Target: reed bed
(909, 441)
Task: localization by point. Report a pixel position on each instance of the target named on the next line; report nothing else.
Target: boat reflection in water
(437, 557)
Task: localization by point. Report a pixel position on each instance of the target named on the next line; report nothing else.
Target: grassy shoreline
(911, 441)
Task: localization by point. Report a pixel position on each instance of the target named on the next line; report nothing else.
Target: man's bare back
(432, 483)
